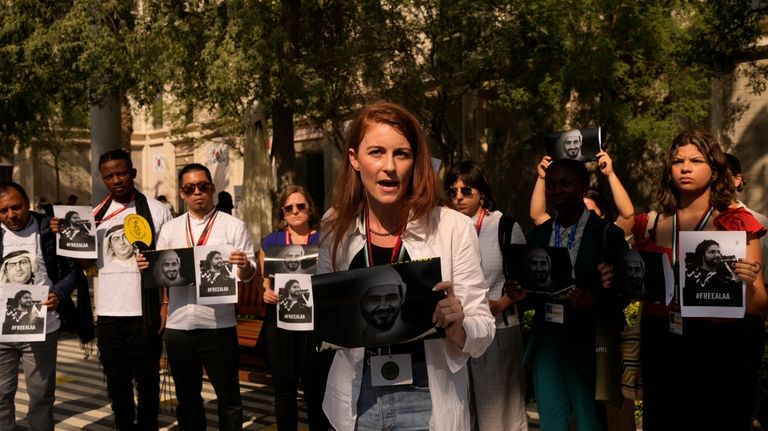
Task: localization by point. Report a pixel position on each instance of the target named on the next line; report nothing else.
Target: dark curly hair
(722, 190)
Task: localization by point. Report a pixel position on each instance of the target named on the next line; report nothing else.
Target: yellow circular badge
(137, 229)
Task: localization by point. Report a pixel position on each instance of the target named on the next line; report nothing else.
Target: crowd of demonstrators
(388, 199)
(290, 354)
(497, 378)
(390, 208)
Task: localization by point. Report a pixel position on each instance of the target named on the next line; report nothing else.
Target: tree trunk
(257, 196)
(282, 146)
(106, 134)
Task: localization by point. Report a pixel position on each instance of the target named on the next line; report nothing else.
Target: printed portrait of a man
(570, 143)
(75, 232)
(17, 267)
(381, 304)
(292, 255)
(294, 303)
(117, 249)
(634, 266)
(216, 271)
(22, 315)
(170, 271)
(708, 280)
(539, 265)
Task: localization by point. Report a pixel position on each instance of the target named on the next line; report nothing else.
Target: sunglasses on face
(189, 189)
(454, 191)
(288, 209)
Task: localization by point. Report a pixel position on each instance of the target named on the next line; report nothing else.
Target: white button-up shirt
(184, 313)
(450, 236)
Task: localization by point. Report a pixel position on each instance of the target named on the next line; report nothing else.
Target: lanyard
(571, 233)
(676, 229)
(113, 213)
(206, 231)
(289, 241)
(398, 251)
(479, 222)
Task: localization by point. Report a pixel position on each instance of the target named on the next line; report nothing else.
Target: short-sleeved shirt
(118, 292)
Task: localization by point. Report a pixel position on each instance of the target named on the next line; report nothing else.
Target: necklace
(380, 233)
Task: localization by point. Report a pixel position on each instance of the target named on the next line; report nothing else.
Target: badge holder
(676, 322)
(554, 313)
(391, 370)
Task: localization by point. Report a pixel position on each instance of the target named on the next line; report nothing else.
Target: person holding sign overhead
(290, 354)
(203, 336)
(562, 347)
(388, 210)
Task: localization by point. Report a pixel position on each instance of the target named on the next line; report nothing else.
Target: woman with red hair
(388, 202)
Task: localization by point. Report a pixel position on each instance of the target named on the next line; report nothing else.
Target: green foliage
(641, 70)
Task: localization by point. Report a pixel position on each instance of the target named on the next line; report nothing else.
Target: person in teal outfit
(561, 352)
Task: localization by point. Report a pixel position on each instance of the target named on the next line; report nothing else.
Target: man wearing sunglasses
(129, 319)
(203, 336)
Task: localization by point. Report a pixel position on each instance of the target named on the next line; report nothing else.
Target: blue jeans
(403, 407)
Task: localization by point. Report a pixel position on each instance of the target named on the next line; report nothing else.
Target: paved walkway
(81, 400)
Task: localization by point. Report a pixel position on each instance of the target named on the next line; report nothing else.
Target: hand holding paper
(449, 314)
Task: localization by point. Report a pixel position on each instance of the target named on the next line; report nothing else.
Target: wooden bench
(250, 309)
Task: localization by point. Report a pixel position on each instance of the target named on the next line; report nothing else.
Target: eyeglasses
(189, 189)
(288, 209)
(465, 191)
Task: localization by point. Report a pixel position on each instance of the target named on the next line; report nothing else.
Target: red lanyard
(206, 231)
(289, 241)
(479, 222)
(397, 251)
(114, 213)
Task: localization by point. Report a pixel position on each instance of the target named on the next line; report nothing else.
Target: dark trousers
(694, 381)
(215, 350)
(292, 358)
(754, 346)
(129, 354)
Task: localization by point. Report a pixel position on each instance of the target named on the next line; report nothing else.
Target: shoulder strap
(506, 225)
(650, 227)
(102, 211)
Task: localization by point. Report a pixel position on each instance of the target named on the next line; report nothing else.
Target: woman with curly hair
(693, 367)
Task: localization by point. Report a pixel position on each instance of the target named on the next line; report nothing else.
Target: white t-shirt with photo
(118, 290)
(28, 239)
